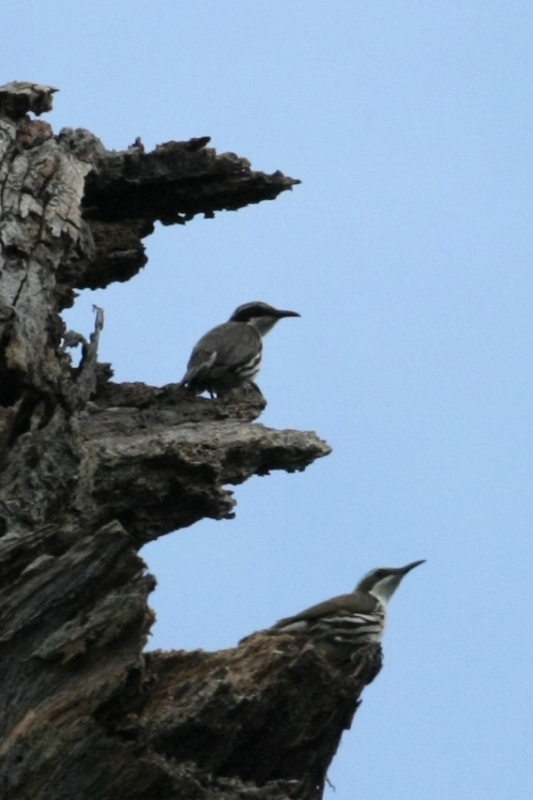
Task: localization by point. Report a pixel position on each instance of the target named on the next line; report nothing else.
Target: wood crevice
(90, 470)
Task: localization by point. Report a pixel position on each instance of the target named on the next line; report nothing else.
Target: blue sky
(408, 252)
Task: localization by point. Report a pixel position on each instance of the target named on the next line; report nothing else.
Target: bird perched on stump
(230, 354)
(343, 624)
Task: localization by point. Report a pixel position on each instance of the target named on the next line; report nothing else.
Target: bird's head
(383, 582)
(260, 315)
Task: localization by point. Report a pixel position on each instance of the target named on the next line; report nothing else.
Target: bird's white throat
(385, 588)
(262, 324)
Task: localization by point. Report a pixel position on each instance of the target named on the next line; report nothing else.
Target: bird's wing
(356, 602)
(228, 345)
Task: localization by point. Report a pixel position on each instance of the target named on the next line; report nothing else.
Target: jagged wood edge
(79, 699)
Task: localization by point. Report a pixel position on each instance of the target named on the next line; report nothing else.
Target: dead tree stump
(91, 470)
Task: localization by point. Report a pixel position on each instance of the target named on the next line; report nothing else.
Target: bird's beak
(409, 567)
(281, 314)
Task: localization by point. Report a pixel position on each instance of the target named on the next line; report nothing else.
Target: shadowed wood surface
(90, 470)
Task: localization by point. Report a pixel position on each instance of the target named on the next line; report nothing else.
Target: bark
(91, 470)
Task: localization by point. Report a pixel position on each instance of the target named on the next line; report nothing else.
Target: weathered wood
(90, 470)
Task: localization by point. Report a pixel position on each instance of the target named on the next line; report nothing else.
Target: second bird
(230, 355)
(341, 625)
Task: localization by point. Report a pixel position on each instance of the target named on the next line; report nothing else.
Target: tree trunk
(92, 470)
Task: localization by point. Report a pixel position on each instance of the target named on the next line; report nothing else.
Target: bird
(230, 355)
(341, 625)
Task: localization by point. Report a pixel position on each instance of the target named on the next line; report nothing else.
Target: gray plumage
(343, 605)
(230, 355)
(341, 625)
